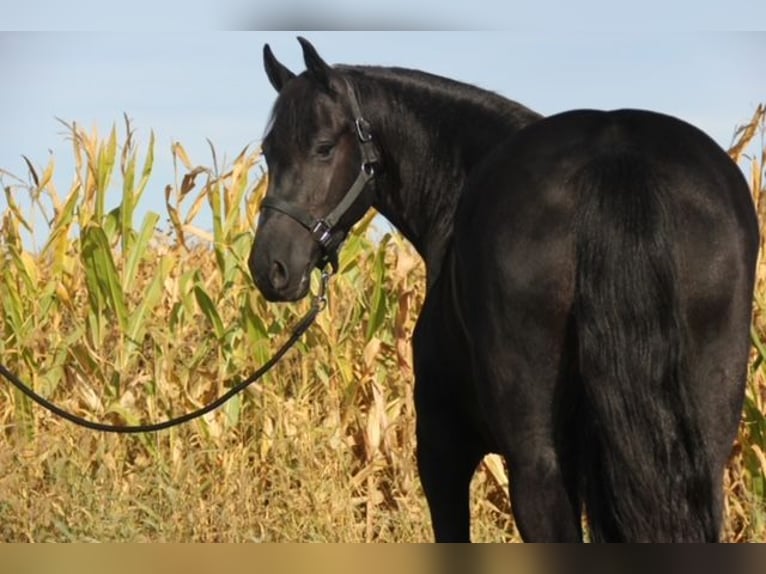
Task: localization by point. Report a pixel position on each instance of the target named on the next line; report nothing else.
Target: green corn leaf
(13, 308)
(350, 254)
(147, 171)
(758, 344)
(378, 304)
(253, 324)
(214, 199)
(62, 224)
(151, 297)
(186, 290)
(104, 169)
(219, 233)
(236, 191)
(208, 309)
(27, 271)
(48, 302)
(111, 225)
(101, 272)
(128, 202)
(236, 255)
(138, 250)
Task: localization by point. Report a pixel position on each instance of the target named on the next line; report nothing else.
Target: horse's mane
(413, 89)
(444, 90)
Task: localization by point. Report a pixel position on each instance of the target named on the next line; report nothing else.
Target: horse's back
(522, 203)
(606, 259)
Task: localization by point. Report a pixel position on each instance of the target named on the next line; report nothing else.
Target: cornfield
(127, 321)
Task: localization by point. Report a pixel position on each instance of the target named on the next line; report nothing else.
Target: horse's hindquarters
(606, 263)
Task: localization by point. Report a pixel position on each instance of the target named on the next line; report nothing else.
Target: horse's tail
(646, 475)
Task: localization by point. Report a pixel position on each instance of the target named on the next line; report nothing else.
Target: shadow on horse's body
(590, 278)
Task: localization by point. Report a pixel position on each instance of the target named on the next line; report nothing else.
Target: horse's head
(320, 159)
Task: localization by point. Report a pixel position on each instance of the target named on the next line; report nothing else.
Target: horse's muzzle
(277, 280)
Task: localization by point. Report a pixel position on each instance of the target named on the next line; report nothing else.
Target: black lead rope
(301, 327)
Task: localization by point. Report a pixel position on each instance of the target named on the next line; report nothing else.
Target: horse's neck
(432, 137)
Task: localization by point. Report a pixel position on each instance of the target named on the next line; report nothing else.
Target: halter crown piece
(323, 229)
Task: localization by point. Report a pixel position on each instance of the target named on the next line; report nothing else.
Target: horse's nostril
(279, 276)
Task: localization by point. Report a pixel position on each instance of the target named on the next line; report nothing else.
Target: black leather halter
(323, 229)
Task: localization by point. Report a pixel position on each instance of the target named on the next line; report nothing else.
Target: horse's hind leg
(544, 497)
(718, 347)
(543, 477)
(530, 398)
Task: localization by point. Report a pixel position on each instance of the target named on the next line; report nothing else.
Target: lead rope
(318, 303)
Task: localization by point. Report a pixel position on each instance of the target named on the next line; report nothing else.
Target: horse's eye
(324, 150)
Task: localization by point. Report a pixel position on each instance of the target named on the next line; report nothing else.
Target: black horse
(590, 278)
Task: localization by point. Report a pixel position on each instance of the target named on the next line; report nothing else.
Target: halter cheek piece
(323, 229)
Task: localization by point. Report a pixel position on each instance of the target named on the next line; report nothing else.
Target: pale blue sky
(519, 15)
(193, 85)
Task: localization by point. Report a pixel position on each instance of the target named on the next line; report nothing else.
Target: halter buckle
(363, 130)
(322, 232)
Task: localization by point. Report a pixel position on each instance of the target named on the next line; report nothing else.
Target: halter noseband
(323, 229)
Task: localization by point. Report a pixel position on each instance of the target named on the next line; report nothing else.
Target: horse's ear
(317, 67)
(278, 74)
